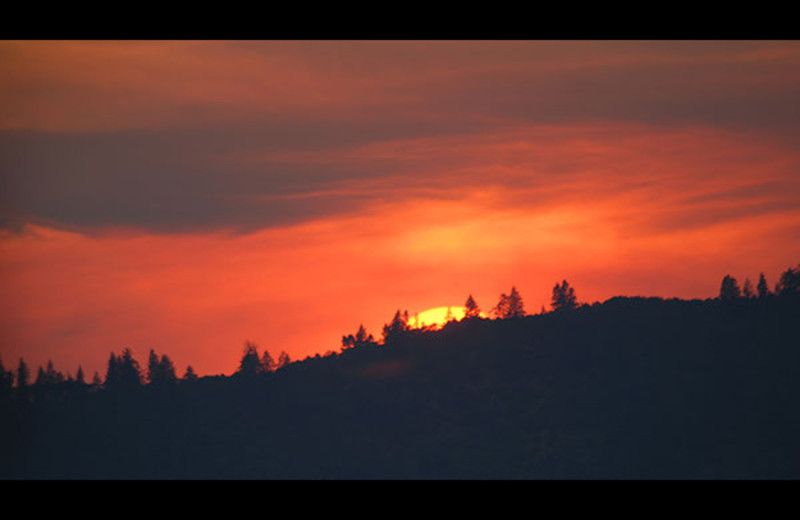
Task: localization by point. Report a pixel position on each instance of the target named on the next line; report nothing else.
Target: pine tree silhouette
(284, 359)
(189, 375)
(563, 297)
(789, 283)
(747, 289)
(762, 287)
(250, 364)
(471, 309)
(267, 363)
(23, 374)
(729, 290)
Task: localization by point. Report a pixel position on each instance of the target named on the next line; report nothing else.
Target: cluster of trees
(253, 364)
(45, 377)
(361, 338)
(788, 284)
(123, 372)
(508, 306)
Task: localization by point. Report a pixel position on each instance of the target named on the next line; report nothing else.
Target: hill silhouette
(628, 388)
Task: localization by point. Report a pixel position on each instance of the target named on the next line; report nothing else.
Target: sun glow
(436, 317)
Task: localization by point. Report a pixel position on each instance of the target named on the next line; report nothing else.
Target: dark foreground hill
(631, 388)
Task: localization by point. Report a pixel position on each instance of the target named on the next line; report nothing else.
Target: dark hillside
(631, 388)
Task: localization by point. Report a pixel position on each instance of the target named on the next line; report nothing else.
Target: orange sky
(190, 196)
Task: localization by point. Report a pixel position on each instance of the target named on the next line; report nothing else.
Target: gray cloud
(187, 178)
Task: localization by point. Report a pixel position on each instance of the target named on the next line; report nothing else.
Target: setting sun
(436, 317)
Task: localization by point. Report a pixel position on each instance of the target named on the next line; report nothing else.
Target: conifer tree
(6, 379)
(284, 359)
(360, 339)
(166, 369)
(23, 374)
(189, 375)
(789, 283)
(747, 289)
(41, 377)
(112, 371)
(762, 287)
(267, 362)
(396, 328)
(153, 368)
(729, 290)
(471, 309)
(250, 364)
(563, 297)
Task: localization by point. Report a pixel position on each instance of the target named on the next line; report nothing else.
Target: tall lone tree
(471, 309)
(563, 297)
(729, 290)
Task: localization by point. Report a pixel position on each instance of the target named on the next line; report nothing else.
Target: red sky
(189, 196)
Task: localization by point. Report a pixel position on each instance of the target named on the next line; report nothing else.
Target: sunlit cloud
(190, 196)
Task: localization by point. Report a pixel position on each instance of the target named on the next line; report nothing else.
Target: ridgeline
(630, 388)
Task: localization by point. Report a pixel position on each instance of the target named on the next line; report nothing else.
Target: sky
(190, 196)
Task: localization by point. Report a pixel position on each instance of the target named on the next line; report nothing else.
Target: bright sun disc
(435, 317)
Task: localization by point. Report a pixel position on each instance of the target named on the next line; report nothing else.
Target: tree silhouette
(96, 381)
(41, 377)
(360, 339)
(284, 359)
(509, 306)
(396, 328)
(112, 371)
(267, 363)
(189, 375)
(471, 309)
(130, 375)
(448, 317)
(563, 297)
(6, 379)
(167, 370)
(123, 371)
(729, 290)
(747, 289)
(23, 374)
(789, 283)
(80, 378)
(762, 288)
(160, 371)
(153, 368)
(49, 376)
(250, 364)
